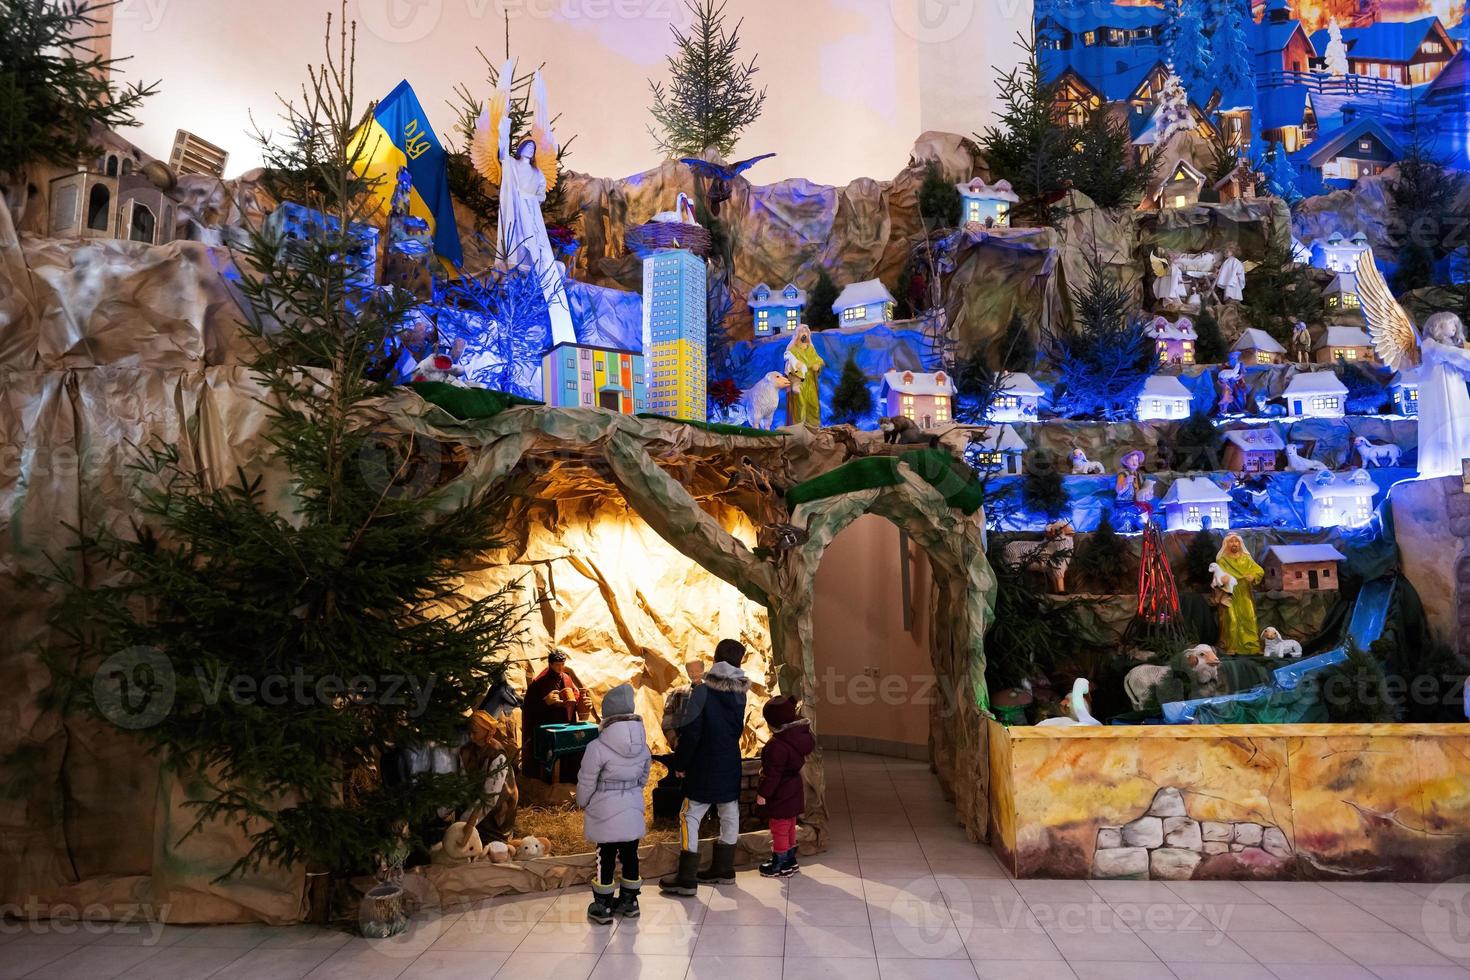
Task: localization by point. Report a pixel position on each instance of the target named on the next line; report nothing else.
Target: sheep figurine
(1298, 463)
(1221, 580)
(1201, 663)
(1052, 555)
(1277, 646)
(1082, 466)
(764, 397)
(1377, 453)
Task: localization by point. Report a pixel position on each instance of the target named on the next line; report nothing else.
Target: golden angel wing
(487, 146)
(1394, 337)
(546, 148)
(1160, 265)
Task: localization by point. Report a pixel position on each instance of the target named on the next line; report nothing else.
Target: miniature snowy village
(1169, 392)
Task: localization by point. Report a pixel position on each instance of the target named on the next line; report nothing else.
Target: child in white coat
(610, 792)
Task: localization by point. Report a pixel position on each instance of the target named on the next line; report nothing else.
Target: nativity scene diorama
(1173, 426)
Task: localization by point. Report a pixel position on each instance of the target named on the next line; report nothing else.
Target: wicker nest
(645, 239)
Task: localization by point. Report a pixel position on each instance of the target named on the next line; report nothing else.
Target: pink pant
(783, 833)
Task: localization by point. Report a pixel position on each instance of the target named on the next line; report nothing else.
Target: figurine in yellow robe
(1238, 614)
(804, 369)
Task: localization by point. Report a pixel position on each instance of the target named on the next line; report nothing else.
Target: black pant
(608, 856)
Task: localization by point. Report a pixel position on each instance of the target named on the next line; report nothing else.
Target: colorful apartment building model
(674, 329)
(582, 376)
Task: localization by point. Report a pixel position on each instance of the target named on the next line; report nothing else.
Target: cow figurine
(1051, 556)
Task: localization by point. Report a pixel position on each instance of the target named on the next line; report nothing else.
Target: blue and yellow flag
(400, 136)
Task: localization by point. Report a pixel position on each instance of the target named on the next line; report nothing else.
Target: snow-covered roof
(1254, 338)
(1343, 337)
(1292, 554)
(1409, 377)
(1165, 386)
(764, 296)
(869, 292)
(999, 438)
(918, 383)
(1325, 483)
(1182, 329)
(1196, 490)
(1019, 383)
(1342, 283)
(1001, 190)
(1316, 383)
(1264, 439)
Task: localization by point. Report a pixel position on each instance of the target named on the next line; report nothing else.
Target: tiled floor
(901, 895)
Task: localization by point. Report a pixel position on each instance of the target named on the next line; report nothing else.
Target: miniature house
(1342, 299)
(778, 311)
(144, 212)
(1316, 394)
(1339, 343)
(291, 222)
(864, 303)
(1252, 450)
(1339, 254)
(926, 398)
(1164, 397)
(1337, 499)
(1194, 503)
(1174, 342)
(1181, 188)
(1018, 400)
(83, 205)
(997, 449)
(1406, 391)
(1256, 346)
(1301, 568)
(986, 204)
(582, 376)
(1238, 185)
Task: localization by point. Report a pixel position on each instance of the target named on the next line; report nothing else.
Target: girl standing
(610, 792)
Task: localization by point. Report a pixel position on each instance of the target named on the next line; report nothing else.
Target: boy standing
(708, 760)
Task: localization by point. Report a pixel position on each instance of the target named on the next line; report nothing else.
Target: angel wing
(1160, 264)
(1393, 333)
(546, 148)
(492, 129)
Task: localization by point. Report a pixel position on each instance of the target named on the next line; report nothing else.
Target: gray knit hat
(618, 701)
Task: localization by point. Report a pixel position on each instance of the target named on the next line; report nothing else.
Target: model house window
(908, 406)
(853, 313)
(1363, 510)
(1180, 201)
(1347, 353)
(1365, 146)
(1193, 514)
(1324, 403)
(941, 410)
(793, 319)
(1262, 357)
(1007, 401)
(1163, 352)
(762, 320)
(1217, 515)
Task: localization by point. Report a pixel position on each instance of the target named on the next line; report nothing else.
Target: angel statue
(524, 177)
(1444, 402)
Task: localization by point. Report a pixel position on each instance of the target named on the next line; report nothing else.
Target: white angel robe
(523, 240)
(1231, 279)
(1171, 285)
(1444, 410)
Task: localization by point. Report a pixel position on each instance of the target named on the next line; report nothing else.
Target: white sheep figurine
(1277, 646)
(1377, 453)
(1082, 466)
(1044, 555)
(764, 397)
(1298, 463)
(1221, 579)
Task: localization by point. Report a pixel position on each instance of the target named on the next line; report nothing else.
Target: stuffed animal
(1277, 646)
(1082, 466)
(530, 848)
(498, 851)
(461, 843)
(899, 430)
(764, 397)
(1377, 453)
(1298, 463)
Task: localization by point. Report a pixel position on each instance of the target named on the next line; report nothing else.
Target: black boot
(628, 899)
(775, 866)
(603, 906)
(789, 865)
(721, 867)
(684, 881)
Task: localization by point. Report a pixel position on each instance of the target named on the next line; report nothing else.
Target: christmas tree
(819, 315)
(1232, 64)
(1190, 55)
(1174, 114)
(1018, 350)
(711, 97)
(1281, 177)
(939, 199)
(1103, 165)
(1198, 557)
(852, 401)
(1337, 59)
(1029, 147)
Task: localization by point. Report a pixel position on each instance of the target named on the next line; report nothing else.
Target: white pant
(693, 815)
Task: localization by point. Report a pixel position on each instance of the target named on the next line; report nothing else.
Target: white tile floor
(901, 895)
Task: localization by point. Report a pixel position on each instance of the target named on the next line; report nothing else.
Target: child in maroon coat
(780, 796)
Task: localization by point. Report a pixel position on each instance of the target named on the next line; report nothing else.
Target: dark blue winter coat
(708, 752)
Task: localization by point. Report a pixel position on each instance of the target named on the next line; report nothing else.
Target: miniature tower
(674, 325)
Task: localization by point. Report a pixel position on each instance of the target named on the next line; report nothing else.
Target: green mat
(960, 489)
(468, 403)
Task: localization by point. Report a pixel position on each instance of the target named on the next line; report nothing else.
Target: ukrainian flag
(400, 136)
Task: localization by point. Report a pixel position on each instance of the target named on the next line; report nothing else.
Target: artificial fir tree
(1280, 174)
(1336, 55)
(340, 593)
(852, 400)
(1104, 166)
(1042, 489)
(1423, 197)
(1231, 68)
(1018, 350)
(54, 93)
(1174, 114)
(1196, 444)
(1103, 559)
(711, 96)
(1103, 359)
(1198, 557)
(1028, 147)
(939, 199)
(1279, 292)
(819, 300)
(1209, 343)
(1190, 56)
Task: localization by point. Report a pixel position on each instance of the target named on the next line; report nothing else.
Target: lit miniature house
(926, 398)
(864, 303)
(1018, 400)
(291, 222)
(1174, 342)
(1301, 568)
(1337, 499)
(582, 376)
(776, 312)
(1256, 346)
(1194, 503)
(1406, 391)
(1252, 450)
(997, 449)
(1342, 296)
(1182, 187)
(1164, 397)
(1316, 394)
(986, 204)
(1339, 343)
(1339, 254)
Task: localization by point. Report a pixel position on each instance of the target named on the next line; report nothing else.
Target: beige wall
(851, 83)
(858, 626)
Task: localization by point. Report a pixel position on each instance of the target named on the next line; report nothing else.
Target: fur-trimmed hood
(724, 677)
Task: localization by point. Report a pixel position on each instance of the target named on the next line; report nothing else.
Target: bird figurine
(1078, 712)
(720, 176)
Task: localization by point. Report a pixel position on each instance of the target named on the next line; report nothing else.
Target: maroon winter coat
(781, 762)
